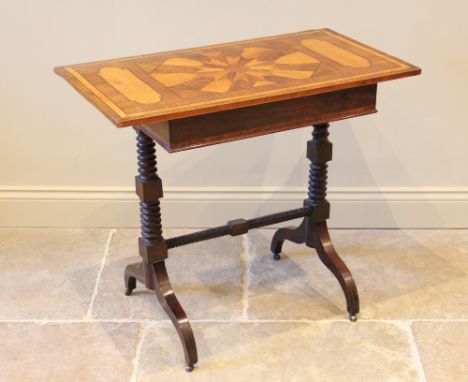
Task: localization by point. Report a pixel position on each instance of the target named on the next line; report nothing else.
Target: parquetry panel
(176, 84)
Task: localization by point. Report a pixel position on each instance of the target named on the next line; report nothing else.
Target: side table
(197, 97)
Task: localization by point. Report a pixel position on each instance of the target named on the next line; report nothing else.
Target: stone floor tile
(443, 348)
(67, 352)
(49, 273)
(340, 351)
(206, 276)
(400, 274)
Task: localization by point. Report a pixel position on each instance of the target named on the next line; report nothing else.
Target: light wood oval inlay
(335, 53)
(129, 85)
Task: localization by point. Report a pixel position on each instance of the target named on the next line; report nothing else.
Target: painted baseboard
(210, 206)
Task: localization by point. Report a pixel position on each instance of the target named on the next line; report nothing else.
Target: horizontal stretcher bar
(239, 226)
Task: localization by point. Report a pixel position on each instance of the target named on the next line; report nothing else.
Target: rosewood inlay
(166, 86)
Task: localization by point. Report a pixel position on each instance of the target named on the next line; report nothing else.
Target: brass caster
(128, 292)
(276, 256)
(189, 368)
(353, 317)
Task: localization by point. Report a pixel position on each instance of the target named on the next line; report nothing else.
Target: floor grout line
(400, 322)
(415, 352)
(307, 320)
(112, 232)
(245, 276)
(139, 346)
(82, 321)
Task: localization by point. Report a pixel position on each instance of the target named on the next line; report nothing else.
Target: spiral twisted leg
(153, 248)
(317, 236)
(313, 229)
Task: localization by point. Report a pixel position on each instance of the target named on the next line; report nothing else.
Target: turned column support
(153, 248)
(148, 187)
(313, 230)
(319, 152)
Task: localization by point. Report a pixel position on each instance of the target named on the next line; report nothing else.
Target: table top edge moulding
(152, 88)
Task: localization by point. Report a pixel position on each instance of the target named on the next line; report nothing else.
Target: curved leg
(294, 234)
(172, 307)
(333, 262)
(137, 272)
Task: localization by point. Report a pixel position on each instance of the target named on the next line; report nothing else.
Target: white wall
(63, 163)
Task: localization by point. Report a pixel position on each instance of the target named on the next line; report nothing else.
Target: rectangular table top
(171, 85)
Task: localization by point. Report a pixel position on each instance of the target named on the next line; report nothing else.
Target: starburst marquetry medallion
(217, 72)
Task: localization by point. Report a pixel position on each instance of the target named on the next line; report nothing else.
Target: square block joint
(238, 226)
(319, 153)
(149, 190)
(321, 211)
(152, 253)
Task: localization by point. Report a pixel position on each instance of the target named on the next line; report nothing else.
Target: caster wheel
(352, 317)
(189, 368)
(276, 256)
(130, 284)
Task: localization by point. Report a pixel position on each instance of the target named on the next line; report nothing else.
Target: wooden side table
(196, 97)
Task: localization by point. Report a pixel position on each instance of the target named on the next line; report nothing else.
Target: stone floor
(64, 315)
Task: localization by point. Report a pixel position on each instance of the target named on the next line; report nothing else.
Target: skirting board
(204, 207)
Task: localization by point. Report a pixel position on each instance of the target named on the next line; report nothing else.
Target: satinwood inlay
(166, 86)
